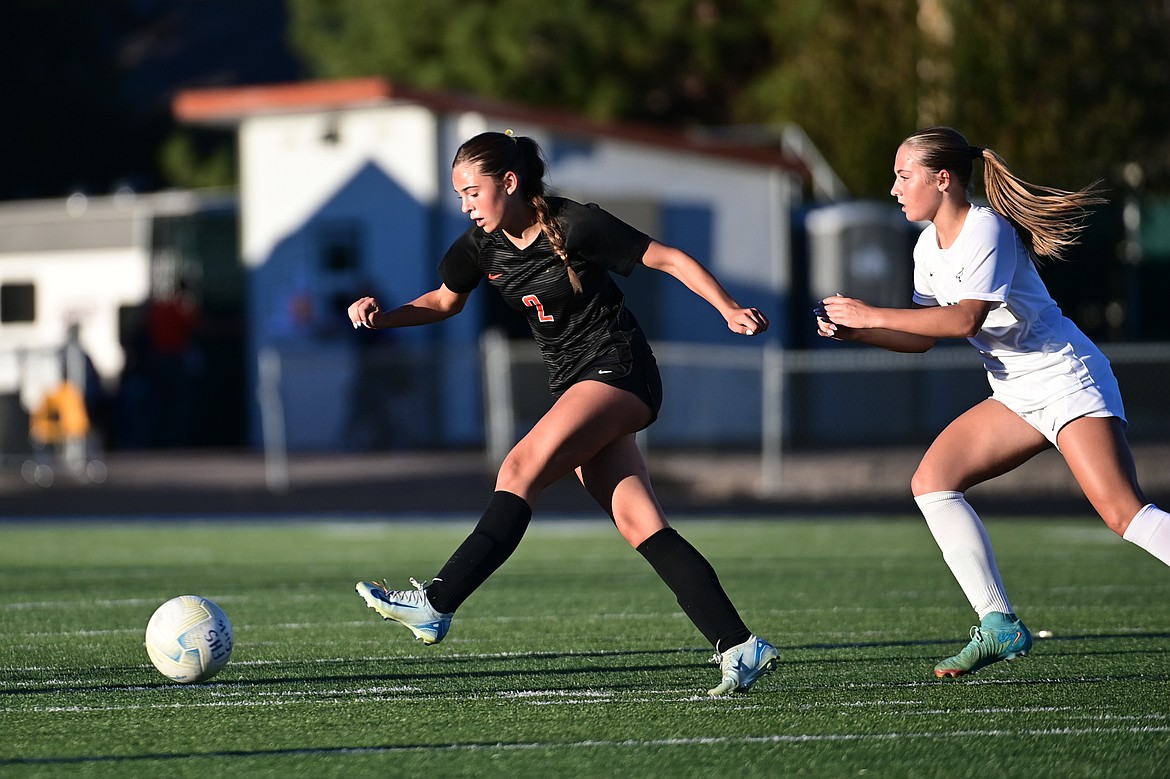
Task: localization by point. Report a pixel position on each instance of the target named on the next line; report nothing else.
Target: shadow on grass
(949, 641)
(417, 671)
(242, 753)
(426, 674)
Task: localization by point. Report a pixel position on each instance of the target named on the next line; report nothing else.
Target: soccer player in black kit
(551, 259)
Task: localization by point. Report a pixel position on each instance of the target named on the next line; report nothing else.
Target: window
(339, 246)
(18, 303)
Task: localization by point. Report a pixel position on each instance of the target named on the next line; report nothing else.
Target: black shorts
(639, 375)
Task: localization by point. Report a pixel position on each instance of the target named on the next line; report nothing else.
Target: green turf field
(574, 661)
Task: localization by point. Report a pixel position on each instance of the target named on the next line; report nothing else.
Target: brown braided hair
(1048, 220)
(495, 154)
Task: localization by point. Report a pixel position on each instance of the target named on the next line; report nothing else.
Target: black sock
(696, 587)
(491, 543)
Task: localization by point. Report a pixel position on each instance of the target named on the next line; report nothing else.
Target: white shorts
(1048, 390)
(1103, 399)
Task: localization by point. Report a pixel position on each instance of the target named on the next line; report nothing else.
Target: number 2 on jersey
(534, 302)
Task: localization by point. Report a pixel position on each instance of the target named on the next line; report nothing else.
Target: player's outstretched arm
(688, 270)
(914, 329)
(434, 306)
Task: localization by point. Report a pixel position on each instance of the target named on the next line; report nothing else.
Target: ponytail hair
(1048, 220)
(495, 154)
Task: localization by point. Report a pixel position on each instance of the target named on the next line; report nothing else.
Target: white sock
(1150, 529)
(966, 549)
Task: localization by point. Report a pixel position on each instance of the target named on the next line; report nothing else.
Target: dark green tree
(677, 62)
(847, 76)
(1066, 89)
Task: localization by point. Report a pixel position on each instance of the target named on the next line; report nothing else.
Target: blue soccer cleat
(742, 665)
(408, 607)
(989, 644)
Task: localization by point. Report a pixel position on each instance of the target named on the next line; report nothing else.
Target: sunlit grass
(574, 659)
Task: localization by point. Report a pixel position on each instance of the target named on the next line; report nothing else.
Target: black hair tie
(975, 151)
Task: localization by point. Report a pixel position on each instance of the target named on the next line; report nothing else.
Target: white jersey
(1034, 355)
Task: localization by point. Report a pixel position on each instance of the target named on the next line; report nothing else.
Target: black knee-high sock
(696, 587)
(491, 543)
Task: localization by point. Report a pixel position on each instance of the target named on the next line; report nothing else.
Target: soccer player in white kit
(975, 277)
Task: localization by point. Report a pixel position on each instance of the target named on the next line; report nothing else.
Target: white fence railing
(772, 400)
(744, 398)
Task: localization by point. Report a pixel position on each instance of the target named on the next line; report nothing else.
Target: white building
(345, 189)
(88, 265)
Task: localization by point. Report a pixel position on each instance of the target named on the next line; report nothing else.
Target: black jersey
(574, 330)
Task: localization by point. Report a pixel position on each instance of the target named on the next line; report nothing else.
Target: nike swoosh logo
(389, 602)
(602, 373)
(494, 276)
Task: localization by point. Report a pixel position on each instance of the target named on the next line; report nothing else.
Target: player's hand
(362, 312)
(826, 327)
(845, 312)
(747, 321)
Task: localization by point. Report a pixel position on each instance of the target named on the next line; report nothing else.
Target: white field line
(55, 605)
(406, 694)
(701, 741)
(740, 740)
(775, 739)
(403, 695)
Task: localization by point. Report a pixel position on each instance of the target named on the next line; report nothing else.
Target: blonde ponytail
(1049, 220)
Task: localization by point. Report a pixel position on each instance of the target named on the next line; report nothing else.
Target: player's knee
(1116, 519)
(521, 475)
(1116, 507)
(924, 481)
(932, 476)
(513, 473)
(636, 530)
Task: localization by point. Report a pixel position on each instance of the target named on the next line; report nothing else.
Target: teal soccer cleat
(408, 607)
(742, 665)
(989, 644)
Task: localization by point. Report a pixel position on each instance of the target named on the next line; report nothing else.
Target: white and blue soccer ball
(189, 639)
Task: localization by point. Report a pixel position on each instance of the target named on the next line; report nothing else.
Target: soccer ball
(189, 639)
